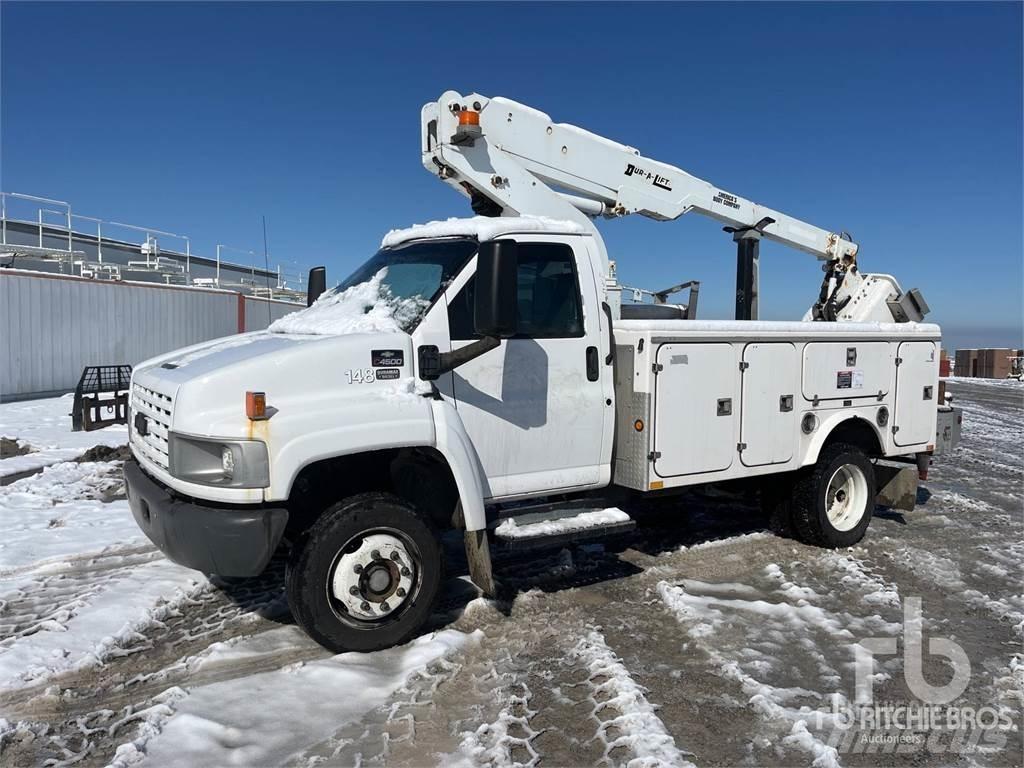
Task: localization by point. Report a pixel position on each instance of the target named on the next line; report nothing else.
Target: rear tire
(777, 504)
(366, 574)
(833, 501)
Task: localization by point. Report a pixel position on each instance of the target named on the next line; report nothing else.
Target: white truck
(473, 364)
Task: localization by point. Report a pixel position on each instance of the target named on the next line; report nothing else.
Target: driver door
(535, 406)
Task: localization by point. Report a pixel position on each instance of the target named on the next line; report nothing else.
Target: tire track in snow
(783, 707)
(50, 601)
(472, 708)
(627, 722)
(133, 672)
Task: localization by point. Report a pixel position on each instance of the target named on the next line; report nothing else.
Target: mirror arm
(452, 360)
(433, 363)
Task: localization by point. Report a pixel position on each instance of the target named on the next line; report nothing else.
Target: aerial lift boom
(510, 159)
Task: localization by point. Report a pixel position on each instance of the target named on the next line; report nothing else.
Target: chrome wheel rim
(374, 576)
(846, 497)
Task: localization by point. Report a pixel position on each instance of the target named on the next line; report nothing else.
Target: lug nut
(357, 568)
(400, 591)
(375, 554)
(405, 571)
(353, 590)
(365, 606)
(394, 555)
(385, 607)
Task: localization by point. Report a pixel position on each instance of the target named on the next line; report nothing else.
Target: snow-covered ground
(699, 639)
(44, 426)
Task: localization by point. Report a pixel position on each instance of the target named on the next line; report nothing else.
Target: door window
(549, 296)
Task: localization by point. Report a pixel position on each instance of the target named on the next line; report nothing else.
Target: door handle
(611, 334)
(593, 371)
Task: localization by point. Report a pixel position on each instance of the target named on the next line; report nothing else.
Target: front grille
(157, 409)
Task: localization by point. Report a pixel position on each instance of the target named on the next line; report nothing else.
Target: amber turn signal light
(256, 405)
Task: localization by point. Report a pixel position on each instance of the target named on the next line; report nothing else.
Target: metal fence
(52, 326)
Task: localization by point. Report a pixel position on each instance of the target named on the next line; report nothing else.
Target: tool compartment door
(696, 407)
(917, 378)
(768, 426)
(847, 370)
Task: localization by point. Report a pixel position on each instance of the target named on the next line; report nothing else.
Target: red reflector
(256, 405)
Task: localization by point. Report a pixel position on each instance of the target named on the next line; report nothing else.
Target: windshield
(390, 292)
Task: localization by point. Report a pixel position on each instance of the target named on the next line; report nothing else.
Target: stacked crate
(994, 363)
(965, 362)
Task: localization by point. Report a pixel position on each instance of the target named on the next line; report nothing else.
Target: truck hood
(207, 382)
(188, 363)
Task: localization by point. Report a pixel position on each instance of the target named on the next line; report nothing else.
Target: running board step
(534, 530)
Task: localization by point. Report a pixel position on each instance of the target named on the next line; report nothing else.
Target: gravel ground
(698, 639)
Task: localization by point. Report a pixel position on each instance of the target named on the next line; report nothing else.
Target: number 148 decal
(359, 375)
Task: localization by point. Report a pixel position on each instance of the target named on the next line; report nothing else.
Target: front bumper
(225, 541)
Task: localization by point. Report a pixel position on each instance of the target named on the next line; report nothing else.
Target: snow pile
(409, 389)
(32, 462)
(509, 529)
(480, 227)
(636, 727)
(63, 483)
(363, 308)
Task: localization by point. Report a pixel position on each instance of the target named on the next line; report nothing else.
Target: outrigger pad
(93, 411)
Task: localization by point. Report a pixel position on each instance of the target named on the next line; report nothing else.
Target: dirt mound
(105, 453)
(9, 448)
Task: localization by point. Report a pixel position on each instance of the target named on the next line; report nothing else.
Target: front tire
(366, 574)
(833, 501)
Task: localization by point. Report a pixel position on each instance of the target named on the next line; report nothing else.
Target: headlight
(227, 463)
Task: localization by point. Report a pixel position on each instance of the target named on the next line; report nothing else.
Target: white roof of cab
(480, 227)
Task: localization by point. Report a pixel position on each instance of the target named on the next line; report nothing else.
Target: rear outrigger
(478, 362)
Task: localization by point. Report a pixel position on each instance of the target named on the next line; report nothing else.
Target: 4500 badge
(384, 366)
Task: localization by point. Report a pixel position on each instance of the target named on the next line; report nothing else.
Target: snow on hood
(218, 345)
(480, 227)
(362, 308)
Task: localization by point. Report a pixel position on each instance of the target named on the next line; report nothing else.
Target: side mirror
(316, 284)
(496, 308)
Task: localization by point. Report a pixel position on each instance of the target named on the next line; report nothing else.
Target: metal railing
(65, 212)
(39, 216)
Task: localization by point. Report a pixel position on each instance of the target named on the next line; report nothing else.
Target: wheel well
(420, 475)
(858, 432)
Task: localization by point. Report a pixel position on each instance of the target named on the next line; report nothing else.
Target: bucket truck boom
(511, 159)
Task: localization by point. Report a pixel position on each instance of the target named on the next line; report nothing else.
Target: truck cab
(345, 410)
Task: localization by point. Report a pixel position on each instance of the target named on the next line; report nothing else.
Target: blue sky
(899, 123)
